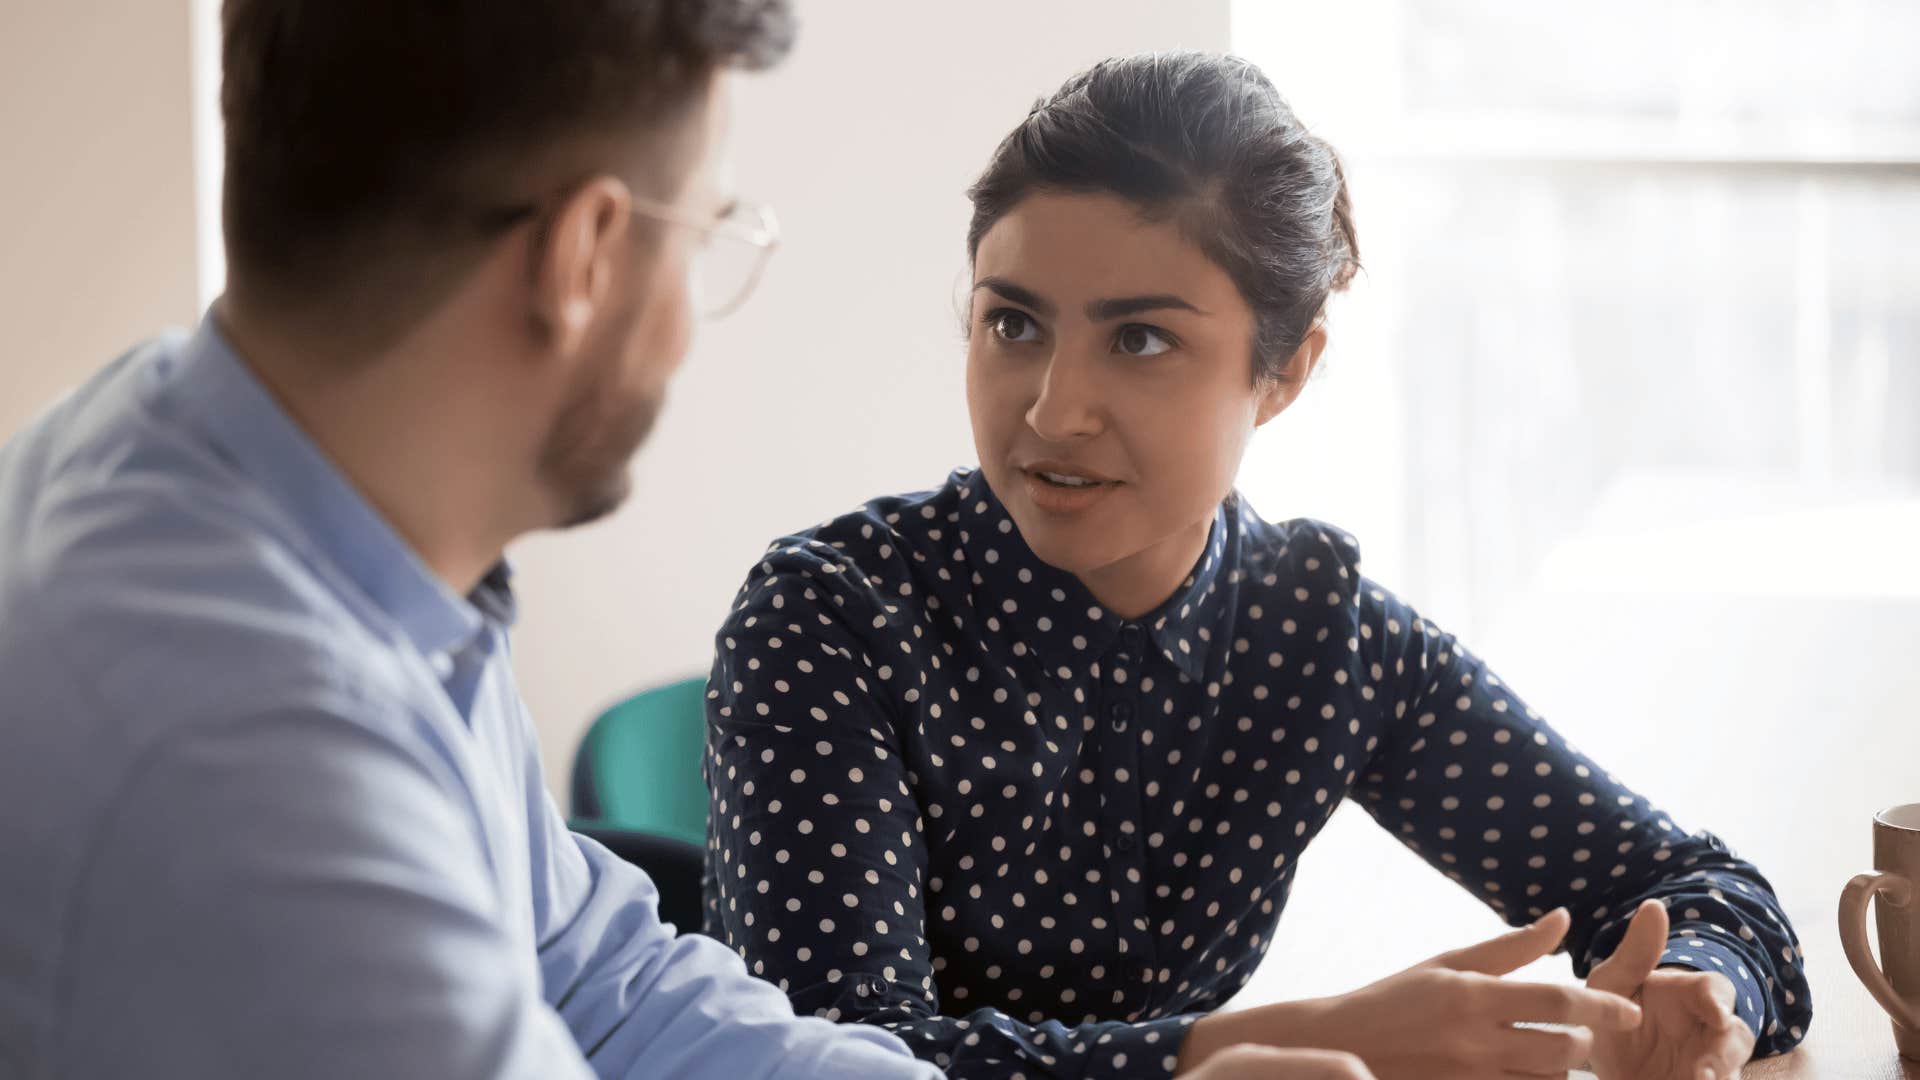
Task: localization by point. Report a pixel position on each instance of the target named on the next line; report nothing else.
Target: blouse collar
(1016, 584)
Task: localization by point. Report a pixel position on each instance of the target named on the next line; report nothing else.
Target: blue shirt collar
(216, 391)
(1007, 570)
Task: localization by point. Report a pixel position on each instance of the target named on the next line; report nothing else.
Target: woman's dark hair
(1207, 140)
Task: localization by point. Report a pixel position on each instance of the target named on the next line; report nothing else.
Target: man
(270, 805)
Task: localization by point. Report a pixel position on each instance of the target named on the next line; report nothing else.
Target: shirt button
(870, 986)
(1123, 843)
(1133, 640)
(1119, 713)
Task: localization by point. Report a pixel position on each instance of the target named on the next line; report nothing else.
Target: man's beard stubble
(585, 461)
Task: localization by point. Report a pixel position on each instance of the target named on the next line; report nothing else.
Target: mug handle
(1892, 889)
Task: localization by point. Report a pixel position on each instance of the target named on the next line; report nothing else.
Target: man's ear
(1280, 391)
(575, 257)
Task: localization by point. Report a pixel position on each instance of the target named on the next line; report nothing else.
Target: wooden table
(1784, 724)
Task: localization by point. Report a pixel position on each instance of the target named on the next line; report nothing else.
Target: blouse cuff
(1146, 1048)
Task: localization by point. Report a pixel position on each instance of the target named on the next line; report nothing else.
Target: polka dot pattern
(953, 796)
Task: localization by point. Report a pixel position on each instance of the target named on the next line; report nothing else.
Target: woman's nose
(1066, 408)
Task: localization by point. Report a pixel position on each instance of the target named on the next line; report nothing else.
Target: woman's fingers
(1728, 1049)
(1560, 1003)
(1513, 950)
(1710, 998)
(1544, 1051)
(1721, 1042)
(1637, 955)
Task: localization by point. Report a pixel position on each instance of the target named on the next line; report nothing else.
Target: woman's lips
(1046, 491)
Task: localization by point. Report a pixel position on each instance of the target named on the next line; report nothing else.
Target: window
(1628, 397)
(1641, 286)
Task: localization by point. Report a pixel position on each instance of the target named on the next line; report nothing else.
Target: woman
(1021, 767)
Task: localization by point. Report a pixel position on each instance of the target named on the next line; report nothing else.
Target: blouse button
(1119, 713)
(1123, 843)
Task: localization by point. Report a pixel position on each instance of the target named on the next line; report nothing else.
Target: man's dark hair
(1206, 140)
(358, 129)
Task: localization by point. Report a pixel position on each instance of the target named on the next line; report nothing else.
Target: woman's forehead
(1077, 247)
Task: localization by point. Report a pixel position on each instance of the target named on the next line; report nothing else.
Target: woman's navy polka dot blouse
(954, 797)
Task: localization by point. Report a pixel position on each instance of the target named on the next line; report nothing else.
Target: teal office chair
(637, 788)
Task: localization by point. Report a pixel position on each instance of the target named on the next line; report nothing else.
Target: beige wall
(97, 192)
(842, 379)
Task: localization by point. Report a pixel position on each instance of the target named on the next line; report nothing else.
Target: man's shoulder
(152, 602)
(145, 567)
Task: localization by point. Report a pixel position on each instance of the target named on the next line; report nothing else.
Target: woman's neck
(1143, 581)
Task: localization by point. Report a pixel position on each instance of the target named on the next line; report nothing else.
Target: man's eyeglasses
(732, 252)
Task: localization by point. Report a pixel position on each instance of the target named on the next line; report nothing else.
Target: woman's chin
(1060, 548)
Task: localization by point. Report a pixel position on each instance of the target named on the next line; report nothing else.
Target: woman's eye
(1137, 340)
(1013, 326)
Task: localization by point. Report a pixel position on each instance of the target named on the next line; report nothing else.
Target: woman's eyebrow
(1097, 310)
(1122, 307)
(1015, 294)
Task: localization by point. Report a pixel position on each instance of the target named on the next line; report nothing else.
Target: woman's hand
(1450, 1018)
(1248, 1062)
(1691, 1031)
